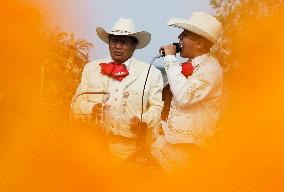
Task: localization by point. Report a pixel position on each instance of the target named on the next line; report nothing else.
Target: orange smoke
(39, 152)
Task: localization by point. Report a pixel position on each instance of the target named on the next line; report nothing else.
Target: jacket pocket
(92, 94)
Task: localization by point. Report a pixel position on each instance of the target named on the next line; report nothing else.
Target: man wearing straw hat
(123, 76)
(196, 87)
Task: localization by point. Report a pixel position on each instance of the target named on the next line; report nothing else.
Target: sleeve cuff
(170, 60)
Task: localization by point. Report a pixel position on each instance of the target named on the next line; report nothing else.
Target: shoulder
(212, 65)
(144, 67)
(94, 64)
(215, 63)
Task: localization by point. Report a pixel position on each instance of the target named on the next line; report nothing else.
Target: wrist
(170, 60)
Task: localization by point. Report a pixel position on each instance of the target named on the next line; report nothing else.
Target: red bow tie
(115, 70)
(187, 69)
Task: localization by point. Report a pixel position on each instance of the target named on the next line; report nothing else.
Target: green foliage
(235, 16)
(62, 61)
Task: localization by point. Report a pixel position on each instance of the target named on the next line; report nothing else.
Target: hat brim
(185, 24)
(143, 37)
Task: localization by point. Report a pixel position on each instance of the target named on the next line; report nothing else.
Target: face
(190, 44)
(121, 47)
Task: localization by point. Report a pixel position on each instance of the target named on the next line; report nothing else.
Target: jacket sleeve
(193, 89)
(80, 104)
(155, 103)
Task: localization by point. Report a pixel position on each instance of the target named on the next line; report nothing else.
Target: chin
(182, 55)
(116, 58)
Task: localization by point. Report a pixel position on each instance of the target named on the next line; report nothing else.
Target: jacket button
(125, 94)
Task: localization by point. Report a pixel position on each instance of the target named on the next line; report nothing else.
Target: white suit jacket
(131, 87)
(196, 100)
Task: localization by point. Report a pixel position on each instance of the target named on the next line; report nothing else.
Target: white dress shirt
(118, 117)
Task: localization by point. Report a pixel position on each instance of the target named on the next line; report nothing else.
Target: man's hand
(97, 109)
(161, 130)
(140, 129)
(169, 49)
(134, 121)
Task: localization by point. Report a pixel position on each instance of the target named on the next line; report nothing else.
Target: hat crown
(200, 23)
(206, 22)
(124, 25)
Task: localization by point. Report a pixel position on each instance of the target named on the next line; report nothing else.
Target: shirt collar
(126, 63)
(199, 59)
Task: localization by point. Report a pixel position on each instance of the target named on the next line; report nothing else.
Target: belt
(120, 139)
(187, 147)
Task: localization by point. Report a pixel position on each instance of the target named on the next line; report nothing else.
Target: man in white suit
(123, 76)
(196, 88)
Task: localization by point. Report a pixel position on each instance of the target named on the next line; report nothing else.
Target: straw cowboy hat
(125, 27)
(200, 23)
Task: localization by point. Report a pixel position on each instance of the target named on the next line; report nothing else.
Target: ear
(135, 45)
(199, 44)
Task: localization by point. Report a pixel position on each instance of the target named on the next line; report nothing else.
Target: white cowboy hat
(125, 27)
(200, 23)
